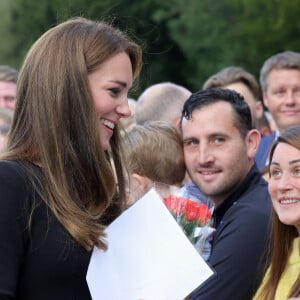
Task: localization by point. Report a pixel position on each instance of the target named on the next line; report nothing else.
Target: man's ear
(177, 122)
(252, 140)
(265, 99)
(258, 109)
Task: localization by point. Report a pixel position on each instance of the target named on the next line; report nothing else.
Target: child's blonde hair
(154, 150)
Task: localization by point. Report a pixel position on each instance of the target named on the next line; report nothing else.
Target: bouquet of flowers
(193, 212)
(189, 214)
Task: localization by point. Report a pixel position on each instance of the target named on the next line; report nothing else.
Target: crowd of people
(76, 153)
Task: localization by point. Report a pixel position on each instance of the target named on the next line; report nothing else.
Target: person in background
(243, 82)
(154, 155)
(6, 117)
(8, 86)
(270, 121)
(219, 145)
(57, 185)
(129, 122)
(280, 84)
(282, 279)
(265, 125)
(161, 102)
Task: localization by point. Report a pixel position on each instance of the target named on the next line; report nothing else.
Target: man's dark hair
(202, 98)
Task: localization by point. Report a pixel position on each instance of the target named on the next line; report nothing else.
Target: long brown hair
(282, 235)
(55, 125)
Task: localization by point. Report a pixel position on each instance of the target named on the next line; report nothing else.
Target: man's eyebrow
(189, 138)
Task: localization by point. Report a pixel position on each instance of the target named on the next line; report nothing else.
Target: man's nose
(205, 154)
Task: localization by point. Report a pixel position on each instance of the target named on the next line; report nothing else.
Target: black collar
(251, 180)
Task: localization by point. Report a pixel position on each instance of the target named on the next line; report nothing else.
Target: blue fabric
(262, 153)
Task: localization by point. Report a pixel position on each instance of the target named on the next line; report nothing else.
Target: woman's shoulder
(10, 165)
(13, 174)
(11, 168)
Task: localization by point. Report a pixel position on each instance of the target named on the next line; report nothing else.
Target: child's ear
(143, 182)
(138, 186)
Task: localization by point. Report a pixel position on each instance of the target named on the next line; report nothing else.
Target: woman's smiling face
(110, 85)
(284, 184)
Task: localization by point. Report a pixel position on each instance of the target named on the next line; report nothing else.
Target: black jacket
(240, 242)
(45, 262)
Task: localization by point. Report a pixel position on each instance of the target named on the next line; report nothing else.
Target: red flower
(192, 210)
(175, 204)
(204, 214)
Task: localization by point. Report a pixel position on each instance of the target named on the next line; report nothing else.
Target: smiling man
(219, 148)
(280, 84)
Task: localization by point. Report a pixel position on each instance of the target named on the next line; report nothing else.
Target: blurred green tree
(184, 41)
(163, 60)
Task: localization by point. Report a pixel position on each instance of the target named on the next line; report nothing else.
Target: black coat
(240, 242)
(44, 263)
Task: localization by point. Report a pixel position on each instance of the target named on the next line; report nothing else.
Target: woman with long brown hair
(61, 179)
(282, 279)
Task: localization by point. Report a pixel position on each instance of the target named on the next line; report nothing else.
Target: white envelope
(148, 257)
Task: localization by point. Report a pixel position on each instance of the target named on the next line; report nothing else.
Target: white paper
(148, 257)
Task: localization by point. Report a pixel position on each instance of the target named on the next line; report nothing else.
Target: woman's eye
(275, 173)
(114, 91)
